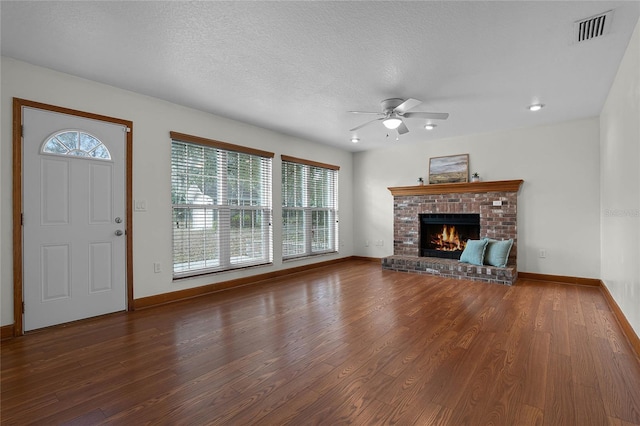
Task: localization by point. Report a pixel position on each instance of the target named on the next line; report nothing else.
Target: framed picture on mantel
(449, 169)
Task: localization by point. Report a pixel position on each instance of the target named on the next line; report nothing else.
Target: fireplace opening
(445, 234)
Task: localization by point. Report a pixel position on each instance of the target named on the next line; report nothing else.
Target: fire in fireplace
(448, 239)
(445, 234)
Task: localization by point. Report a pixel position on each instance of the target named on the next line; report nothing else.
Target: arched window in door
(77, 144)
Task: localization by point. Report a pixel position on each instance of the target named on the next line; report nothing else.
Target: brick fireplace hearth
(495, 202)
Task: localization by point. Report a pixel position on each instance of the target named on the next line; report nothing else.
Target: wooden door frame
(18, 104)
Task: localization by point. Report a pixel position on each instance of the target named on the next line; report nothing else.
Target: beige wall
(558, 204)
(152, 121)
(620, 185)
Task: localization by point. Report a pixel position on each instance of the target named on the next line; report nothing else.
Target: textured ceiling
(298, 67)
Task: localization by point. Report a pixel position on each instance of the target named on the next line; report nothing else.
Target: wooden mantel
(451, 188)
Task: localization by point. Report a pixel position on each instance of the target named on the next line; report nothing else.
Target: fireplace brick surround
(496, 221)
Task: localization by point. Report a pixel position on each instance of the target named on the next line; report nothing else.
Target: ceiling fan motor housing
(388, 105)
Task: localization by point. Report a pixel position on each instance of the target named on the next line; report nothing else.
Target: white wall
(558, 203)
(576, 173)
(620, 185)
(152, 121)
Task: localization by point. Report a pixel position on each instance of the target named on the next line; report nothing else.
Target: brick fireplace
(495, 202)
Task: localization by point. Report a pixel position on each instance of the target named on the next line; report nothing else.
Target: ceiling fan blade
(407, 105)
(428, 115)
(402, 129)
(368, 122)
(365, 112)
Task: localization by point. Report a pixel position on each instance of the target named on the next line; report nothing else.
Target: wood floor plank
(574, 307)
(536, 372)
(434, 415)
(477, 395)
(281, 393)
(411, 382)
(587, 408)
(617, 422)
(559, 407)
(346, 343)
(582, 358)
(544, 317)
(528, 415)
(560, 331)
(460, 369)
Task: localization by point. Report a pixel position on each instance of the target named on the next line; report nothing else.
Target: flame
(448, 239)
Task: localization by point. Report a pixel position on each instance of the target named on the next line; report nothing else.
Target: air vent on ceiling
(593, 27)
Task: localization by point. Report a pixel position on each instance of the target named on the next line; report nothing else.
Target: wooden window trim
(183, 137)
(308, 162)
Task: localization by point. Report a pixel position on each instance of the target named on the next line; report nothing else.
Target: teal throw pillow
(497, 252)
(474, 252)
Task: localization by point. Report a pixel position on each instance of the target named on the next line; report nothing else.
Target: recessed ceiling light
(430, 126)
(535, 107)
(355, 140)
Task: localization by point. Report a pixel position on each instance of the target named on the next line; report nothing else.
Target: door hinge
(23, 307)
(21, 130)
(21, 219)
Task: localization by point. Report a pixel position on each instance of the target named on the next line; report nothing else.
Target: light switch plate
(140, 205)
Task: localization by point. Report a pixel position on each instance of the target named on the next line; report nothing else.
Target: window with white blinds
(221, 200)
(309, 207)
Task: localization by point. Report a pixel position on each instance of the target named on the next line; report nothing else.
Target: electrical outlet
(543, 253)
(366, 243)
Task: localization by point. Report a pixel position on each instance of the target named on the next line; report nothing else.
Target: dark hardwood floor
(349, 343)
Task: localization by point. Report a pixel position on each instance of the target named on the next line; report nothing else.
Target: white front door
(74, 212)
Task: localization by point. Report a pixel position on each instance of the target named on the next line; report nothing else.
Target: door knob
(119, 232)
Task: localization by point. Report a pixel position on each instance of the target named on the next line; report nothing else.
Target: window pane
(102, 152)
(88, 142)
(293, 241)
(195, 239)
(69, 139)
(194, 177)
(55, 147)
(317, 185)
(178, 173)
(245, 177)
(248, 228)
(210, 177)
(321, 231)
(292, 184)
(76, 144)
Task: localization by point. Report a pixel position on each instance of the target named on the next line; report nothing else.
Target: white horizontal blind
(309, 208)
(221, 208)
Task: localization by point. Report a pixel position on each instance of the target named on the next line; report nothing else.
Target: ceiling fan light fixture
(430, 126)
(394, 112)
(392, 123)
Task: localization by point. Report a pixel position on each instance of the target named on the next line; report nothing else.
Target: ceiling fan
(394, 110)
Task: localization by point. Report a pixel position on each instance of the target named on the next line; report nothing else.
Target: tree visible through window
(309, 207)
(221, 206)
